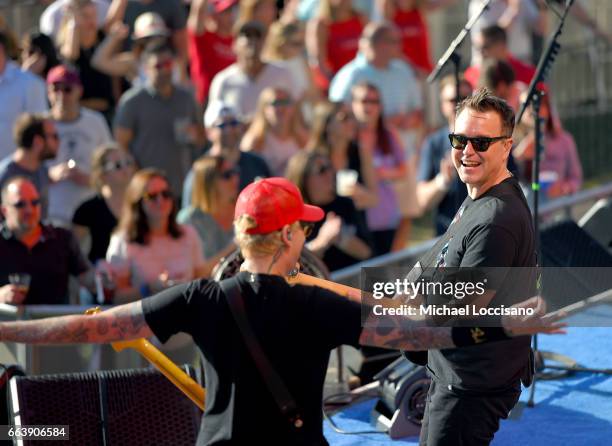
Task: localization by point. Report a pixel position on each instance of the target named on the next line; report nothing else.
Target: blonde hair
(256, 245)
(98, 160)
(278, 35)
(256, 132)
(205, 174)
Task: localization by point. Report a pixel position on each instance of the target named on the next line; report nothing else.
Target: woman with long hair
(78, 39)
(150, 251)
(285, 47)
(389, 163)
(215, 189)
(276, 131)
(334, 134)
(342, 239)
(95, 219)
(38, 54)
(332, 39)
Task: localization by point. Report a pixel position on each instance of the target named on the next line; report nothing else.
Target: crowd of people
(129, 127)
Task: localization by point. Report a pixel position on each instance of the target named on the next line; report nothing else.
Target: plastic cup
(345, 180)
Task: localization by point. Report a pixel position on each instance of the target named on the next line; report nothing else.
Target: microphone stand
(534, 96)
(451, 52)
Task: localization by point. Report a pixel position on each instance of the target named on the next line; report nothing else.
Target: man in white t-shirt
(240, 84)
(81, 131)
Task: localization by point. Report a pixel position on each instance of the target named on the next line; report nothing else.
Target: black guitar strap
(284, 400)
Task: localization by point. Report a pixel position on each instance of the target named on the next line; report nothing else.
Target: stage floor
(575, 411)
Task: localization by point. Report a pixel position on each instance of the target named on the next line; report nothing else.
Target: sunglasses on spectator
(368, 101)
(23, 203)
(230, 173)
(307, 227)
(480, 143)
(164, 64)
(321, 169)
(280, 102)
(165, 194)
(64, 88)
(227, 124)
(117, 165)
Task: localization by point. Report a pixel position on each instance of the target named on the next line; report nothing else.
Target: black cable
(333, 424)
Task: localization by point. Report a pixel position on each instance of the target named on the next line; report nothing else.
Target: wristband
(464, 336)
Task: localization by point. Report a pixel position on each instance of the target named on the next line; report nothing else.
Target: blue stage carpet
(570, 411)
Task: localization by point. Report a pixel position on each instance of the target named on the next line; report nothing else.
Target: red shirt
(415, 38)
(343, 42)
(523, 72)
(209, 53)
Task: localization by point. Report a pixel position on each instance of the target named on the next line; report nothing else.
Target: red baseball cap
(274, 203)
(222, 5)
(61, 74)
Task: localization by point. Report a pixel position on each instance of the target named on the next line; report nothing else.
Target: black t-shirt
(95, 83)
(95, 215)
(297, 326)
(49, 263)
(495, 230)
(352, 222)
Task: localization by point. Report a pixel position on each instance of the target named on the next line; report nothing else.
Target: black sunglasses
(64, 88)
(23, 203)
(280, 102)
(480, 143)
(307, 227)
(117, 165)
(166, 194)
(228, 124)
(229, 173)
(321, 169)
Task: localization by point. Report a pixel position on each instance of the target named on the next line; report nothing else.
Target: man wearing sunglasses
(297, 326)
(37, 141)
(473, 389)
(43, 253)
(224, 129)
(81, 131)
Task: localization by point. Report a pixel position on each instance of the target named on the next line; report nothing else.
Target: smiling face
(157, 200)
(481, 170)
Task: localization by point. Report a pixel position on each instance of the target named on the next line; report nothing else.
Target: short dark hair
(156, 48)
(484, 101)
(251, 28)
(494, 34)
(27, 126)
(493, 72)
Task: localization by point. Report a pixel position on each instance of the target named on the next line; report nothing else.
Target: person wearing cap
(240, 84)
(80, 130)
(149, 28)
(297, 326)
(224, 130)
(210, 40)
(159, 123)
(171, 12)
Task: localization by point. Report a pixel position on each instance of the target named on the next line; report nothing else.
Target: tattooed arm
(123, 322)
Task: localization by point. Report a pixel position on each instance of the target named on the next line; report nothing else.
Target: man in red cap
(295, 326)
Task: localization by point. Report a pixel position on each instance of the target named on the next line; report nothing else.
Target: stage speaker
(573, 265)
(402, 397)
(120, 407)
(597, 222)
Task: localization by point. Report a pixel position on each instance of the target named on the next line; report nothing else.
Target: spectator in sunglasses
(150, 251)
(81, 130)
(224, 129)
(37, 259)
(277, 131)
(215, 189)
(96, 218)
(37, 140)
(342, 239)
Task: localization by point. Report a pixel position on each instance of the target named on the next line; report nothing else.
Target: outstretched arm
(404, 333)
(121, 323)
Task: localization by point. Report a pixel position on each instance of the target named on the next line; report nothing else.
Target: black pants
(460, 418)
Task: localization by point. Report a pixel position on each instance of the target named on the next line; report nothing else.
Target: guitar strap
(285, 402)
